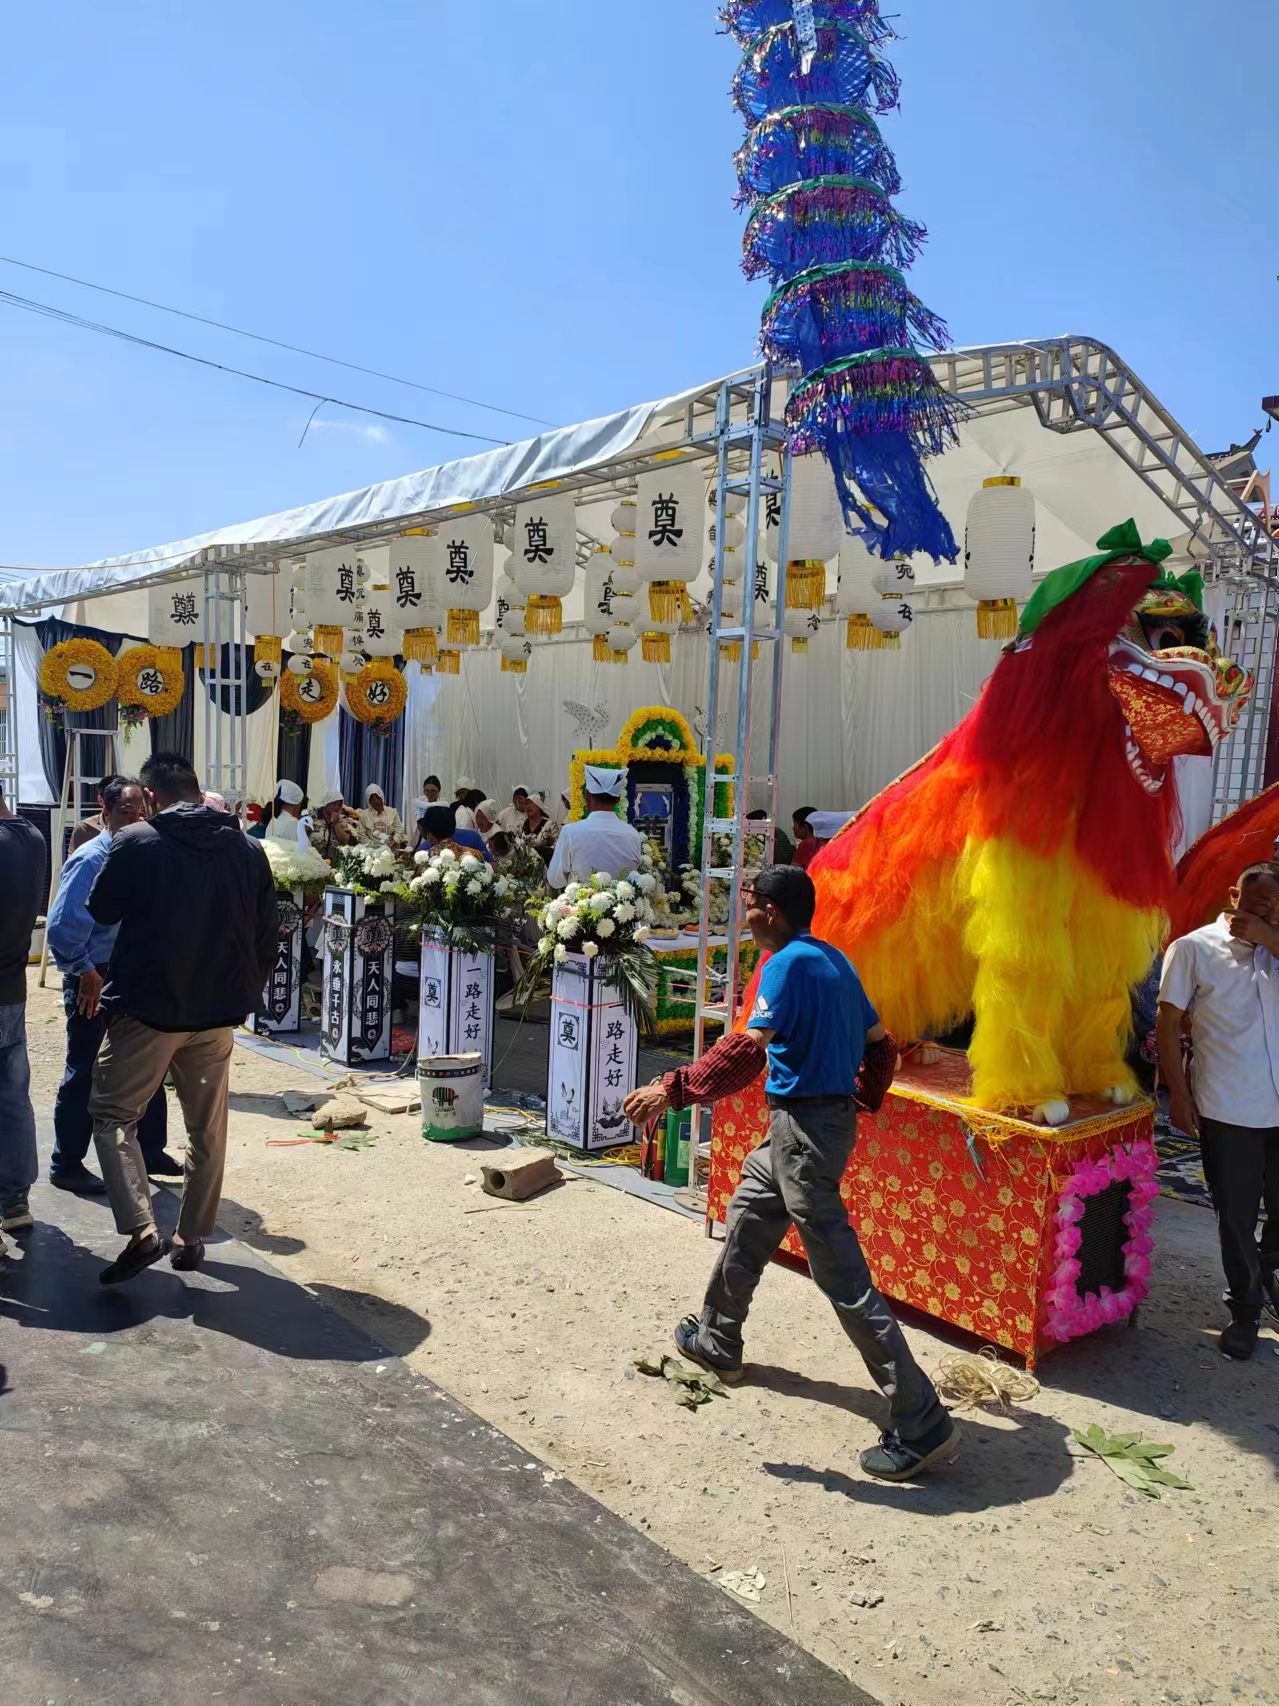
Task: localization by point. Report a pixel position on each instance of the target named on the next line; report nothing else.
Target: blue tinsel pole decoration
(819, 180)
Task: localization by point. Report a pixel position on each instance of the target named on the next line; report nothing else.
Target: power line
(239, 372)
(260, 338)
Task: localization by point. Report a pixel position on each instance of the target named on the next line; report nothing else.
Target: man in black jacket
(195, 903)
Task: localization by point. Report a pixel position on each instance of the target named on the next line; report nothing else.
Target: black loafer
(134, 1258)
(80, 1180)
(165, 1166)
(186, 1258)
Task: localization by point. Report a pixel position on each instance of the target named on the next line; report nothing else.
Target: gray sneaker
(16, 1216)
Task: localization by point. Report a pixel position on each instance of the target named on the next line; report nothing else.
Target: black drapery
(293, 755)
(53, 741)
(365, 757)
(176, 732)
(256, 692)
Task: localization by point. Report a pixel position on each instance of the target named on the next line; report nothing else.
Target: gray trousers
(793, 1178)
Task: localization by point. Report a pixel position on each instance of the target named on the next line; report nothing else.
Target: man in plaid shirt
(814, 1028)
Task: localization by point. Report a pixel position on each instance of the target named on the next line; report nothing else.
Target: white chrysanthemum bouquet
(372, 868)
(608, 920)
(460, 896)
(294, 867)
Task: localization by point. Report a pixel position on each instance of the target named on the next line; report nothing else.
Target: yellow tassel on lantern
(621, 657)
(731, 651)
(686, 612)
(328, 641)
(602, 652)
(268, 648)
(655, 648)
(890, 642)
(799, 643)
(997, 619)
(543, 614)
(420, 645)
(464, 628)
(863, 636)
(805, 586)
(514, 666)
(666, 600)
(171, 656)
(449, 663)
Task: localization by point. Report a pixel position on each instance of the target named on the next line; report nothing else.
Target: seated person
(438, 830)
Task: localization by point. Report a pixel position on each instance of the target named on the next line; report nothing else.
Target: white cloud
(362, 429)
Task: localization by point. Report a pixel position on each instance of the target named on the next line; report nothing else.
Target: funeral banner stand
(593, 1057)
(458, 996)
(359, 952)
(281, 1008)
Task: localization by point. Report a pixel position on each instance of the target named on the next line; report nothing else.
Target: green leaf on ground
(1133, 1460)
(694, 1386)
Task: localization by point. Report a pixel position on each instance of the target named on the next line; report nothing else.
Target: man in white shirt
(601, 841)
(1225, 979)
(286, 821)
(463, 816)
(513, 819)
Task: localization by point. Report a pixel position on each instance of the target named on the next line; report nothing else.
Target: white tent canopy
(1064, 414)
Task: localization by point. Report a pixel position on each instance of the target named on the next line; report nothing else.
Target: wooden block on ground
(521, 1173)
(406, 1101)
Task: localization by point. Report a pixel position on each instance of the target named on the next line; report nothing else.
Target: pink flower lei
(1069, 1315)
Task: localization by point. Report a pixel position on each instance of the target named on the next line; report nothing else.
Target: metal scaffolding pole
(756, 437)
(8, 715)
(226, 764)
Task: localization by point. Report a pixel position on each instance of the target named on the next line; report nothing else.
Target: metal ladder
(226, 756)
(76, 780)
(742, 447)
(8, 715)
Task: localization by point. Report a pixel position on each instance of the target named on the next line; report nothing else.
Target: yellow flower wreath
(294, 708)
(78, 675)
(149, 680)
(365, 699)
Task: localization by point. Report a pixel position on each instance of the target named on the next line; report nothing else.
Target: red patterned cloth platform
(1021, 1235)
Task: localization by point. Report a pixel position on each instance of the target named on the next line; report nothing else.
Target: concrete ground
(218, 1489)
(1022, 1574)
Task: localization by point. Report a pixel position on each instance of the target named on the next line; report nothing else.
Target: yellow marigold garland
(55, 676)
(360, 706)
(163, 664)
(294, 709)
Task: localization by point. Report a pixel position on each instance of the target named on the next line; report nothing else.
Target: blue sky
(531, 205)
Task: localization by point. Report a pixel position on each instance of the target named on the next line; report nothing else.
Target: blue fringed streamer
(748, 18)
(825, 220)
(832, 311)
(844, 73)
(820, 180)
(813, 142)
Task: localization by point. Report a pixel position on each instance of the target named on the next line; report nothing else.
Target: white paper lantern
(856, 594)
(175, 613)
(891, 617)
(462, 568)
(597, 607)
(266, 670)
(381, 632)
(513, 623)
(545, 559)
(625, 518)
(815, 533)
(795, 624)
(515, 656)
(668, 539)
(734, 534)
(625, 578)
(896, 577)
(266, 605)
(415, 597)
(301, 664)
(509, 595)
(351, 662)
(626, 607)
(999, 554)
(331, 585)
(298, 642)
(621, 639)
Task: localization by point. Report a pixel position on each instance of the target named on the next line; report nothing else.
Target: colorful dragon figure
(1020, 875)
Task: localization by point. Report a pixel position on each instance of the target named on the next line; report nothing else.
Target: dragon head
(1179, 695)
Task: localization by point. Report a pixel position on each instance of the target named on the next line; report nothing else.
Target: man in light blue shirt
(81, 949)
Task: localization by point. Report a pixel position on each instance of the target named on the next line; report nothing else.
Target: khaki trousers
(129, 1070)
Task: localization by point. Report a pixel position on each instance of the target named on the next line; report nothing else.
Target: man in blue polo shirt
(813, 1022)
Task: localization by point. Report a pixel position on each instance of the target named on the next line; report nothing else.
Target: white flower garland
(603, 914)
